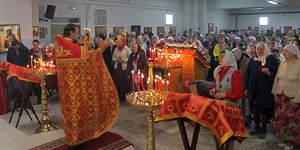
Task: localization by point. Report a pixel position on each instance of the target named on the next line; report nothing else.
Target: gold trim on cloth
(224, 121)
(89, 99)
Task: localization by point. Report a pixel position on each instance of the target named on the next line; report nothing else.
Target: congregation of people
(258, 71)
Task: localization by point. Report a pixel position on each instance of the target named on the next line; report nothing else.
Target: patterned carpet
(108, 141)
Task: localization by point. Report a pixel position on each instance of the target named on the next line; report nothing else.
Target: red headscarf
(121, 45)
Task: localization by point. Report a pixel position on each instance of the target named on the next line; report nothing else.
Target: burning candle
(168, 89)
(142, 82)
(155, 84)
(132, 73)
(31, 61)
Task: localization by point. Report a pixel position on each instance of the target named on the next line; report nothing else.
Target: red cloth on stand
(3, 108)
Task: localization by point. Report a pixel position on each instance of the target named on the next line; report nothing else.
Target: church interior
(139, 124)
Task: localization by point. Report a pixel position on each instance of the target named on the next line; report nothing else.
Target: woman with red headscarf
(120, 58)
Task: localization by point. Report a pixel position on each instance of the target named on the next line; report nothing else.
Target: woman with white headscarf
(242, 63)
(259, 80)
(228, 81)
(286, 90)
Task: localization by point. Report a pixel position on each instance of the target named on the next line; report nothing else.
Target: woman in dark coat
(242, 63)
(259, 80)
(137, 62)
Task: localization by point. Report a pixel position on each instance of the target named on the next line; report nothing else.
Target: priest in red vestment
(88, 96)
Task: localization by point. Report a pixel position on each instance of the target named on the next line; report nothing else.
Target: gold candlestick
(42, 72)
(148, 100)
(46, 121)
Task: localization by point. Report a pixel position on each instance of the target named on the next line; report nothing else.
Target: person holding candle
(120, 59)
(85, 82)
(286, 90)
(37, 47)
(137, 61)
(51, 81)
(259, 80)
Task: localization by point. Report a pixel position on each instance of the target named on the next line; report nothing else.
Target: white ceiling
(241, 4)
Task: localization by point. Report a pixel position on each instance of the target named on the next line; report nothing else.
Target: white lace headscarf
(266, 52)
(238, 53)
(228, 60)
(293, 49)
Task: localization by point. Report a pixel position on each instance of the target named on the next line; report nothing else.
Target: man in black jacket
(108, 53)
(18, 54)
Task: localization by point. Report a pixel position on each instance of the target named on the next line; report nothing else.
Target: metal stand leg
(151, 136)
(24, 101)
(184, 136)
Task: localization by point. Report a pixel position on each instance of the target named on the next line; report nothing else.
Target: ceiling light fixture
(272, 2)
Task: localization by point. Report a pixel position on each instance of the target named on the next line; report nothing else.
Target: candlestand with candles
(42, 70)
(148, 100)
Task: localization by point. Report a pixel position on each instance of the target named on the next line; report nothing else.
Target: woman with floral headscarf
(286, 90)
(259, 80)
(120, 58)
(228, 81)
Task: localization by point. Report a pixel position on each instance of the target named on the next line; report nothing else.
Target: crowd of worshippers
(258, 71)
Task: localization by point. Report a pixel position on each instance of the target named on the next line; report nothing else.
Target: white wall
(146, 13)
(221, 19)
(277, 21)
(18, 12)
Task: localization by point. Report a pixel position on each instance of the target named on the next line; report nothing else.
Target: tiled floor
(134, 131)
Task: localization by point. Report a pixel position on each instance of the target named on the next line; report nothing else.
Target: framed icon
(8, 32)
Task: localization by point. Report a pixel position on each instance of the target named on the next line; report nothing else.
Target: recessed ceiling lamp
(272, 2)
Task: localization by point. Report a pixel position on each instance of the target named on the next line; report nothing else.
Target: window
(263, 21)
(169, 19)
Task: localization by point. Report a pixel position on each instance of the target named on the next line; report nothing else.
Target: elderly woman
(242, 62)
(259, 80)
(137, 62)
(120, 58)
(286, 90)
(227, 79)
(227, 83)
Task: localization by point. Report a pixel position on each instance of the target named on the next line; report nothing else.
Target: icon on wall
(136, 28)
(43, 32)
(8, 32)
(100, 17)
(35, 31)
(173, 29)
(148, 30)
(210, 27)
(100, 31)
(118, 30)
(160, 30)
